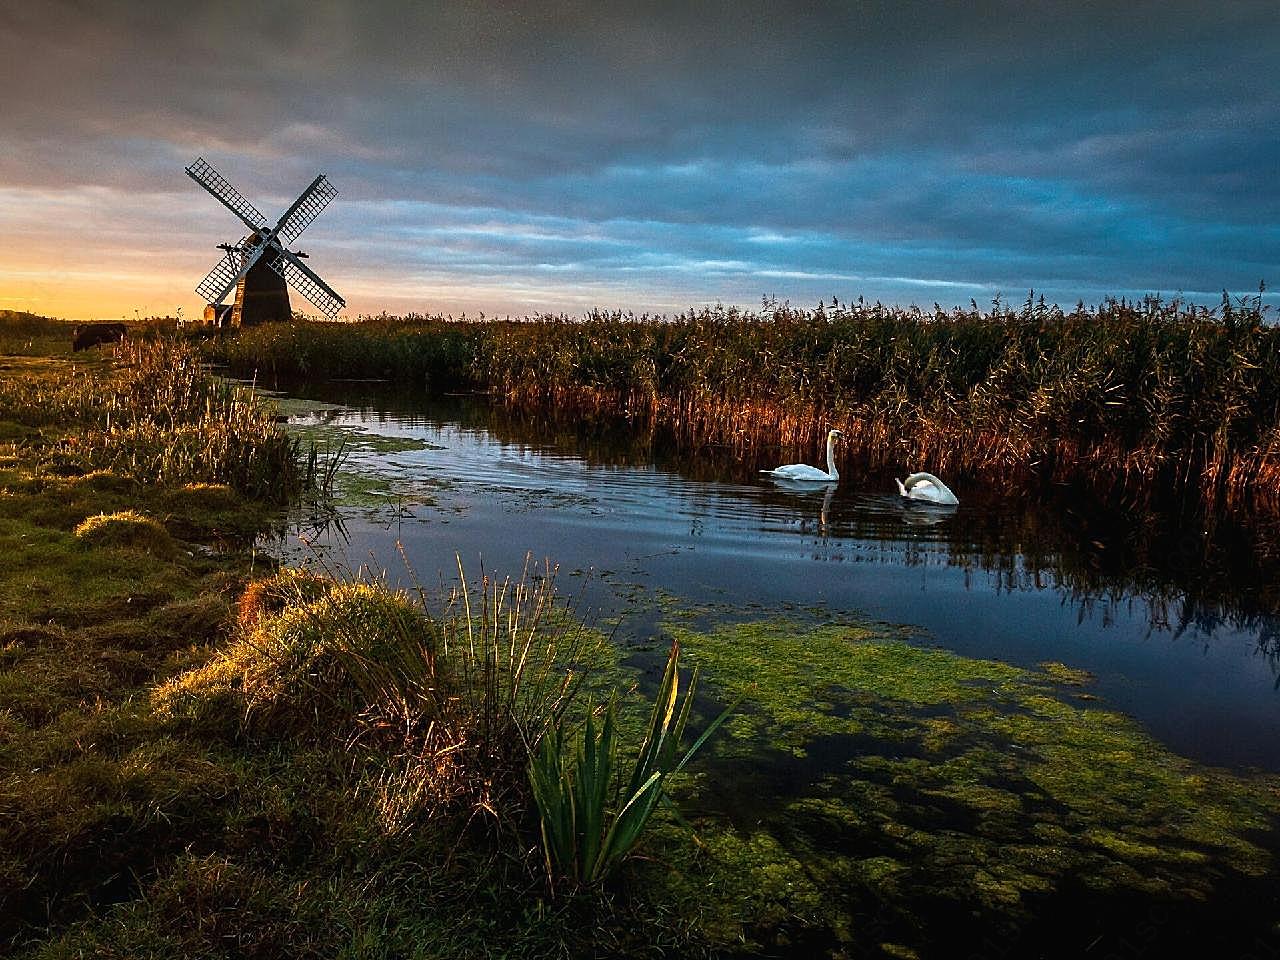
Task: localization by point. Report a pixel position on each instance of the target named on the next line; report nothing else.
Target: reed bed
(425, 351)
(1141, 398)
(159, 416)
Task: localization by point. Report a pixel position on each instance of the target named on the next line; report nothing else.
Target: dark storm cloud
(1080, 146)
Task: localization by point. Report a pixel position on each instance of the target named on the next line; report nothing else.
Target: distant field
(30, 334)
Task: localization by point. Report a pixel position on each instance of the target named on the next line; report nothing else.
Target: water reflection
(1097, 557)
(917, 514)
(809, 492)
(1025, 578)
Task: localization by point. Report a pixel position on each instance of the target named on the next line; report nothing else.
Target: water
(1176, 638)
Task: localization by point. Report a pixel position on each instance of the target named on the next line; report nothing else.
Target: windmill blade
(222, 279)
(298, 276)
(305, 209)
(226, 194)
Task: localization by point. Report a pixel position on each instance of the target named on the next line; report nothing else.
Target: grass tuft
(127, 530)
(269, 596)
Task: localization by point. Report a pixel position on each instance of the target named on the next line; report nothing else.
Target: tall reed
(1138, 398)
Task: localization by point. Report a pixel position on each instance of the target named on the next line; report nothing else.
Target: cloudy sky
(523, 157)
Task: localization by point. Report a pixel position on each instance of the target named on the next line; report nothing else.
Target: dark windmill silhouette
(259, 265)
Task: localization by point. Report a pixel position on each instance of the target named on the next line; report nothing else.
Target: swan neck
(831, 456)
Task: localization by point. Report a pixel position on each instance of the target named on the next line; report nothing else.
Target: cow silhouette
(92, 334)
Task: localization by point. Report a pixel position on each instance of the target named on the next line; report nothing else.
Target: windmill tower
(258, 267)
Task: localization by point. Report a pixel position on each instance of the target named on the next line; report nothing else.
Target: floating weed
(1065, 675)
(924, 785)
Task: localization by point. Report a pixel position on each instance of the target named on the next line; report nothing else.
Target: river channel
(999, 577)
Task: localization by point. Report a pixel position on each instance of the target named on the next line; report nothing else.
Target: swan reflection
(920, 513)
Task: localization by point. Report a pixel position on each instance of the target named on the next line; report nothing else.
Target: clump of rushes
(171, 422)
(127, 530)
(442, 710)
(1138, 398)
(326, 662)
(317, 664)
(591, 815)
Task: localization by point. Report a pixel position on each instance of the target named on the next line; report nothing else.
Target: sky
(522, 157)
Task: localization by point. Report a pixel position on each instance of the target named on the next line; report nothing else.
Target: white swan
(925, 486)
(802, 471)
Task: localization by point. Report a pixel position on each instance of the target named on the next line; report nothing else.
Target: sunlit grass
(154, 413)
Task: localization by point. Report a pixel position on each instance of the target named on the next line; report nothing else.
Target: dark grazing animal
(92, 334)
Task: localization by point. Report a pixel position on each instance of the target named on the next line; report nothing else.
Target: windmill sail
(221, 279)
(228, 271)
(305, 209)
(226, 194)
(308, 284)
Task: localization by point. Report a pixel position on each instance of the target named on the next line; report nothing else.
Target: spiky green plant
(585, 835)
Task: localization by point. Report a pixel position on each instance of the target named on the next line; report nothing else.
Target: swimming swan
(802, 471)
(925, 486)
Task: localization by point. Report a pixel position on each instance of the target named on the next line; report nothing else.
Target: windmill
(258, 266)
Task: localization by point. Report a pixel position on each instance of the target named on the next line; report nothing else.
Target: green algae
(923, 779)
(1065, 675)
(367, 478)
(356, 437)
(286, 406)
(371, 492)
(802, 682)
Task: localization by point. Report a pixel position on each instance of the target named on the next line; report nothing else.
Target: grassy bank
(202, 755)
(1138, 400)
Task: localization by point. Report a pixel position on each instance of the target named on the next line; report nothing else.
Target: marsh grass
(155, 414)
(127, 829)
(1137, 399)
(444, 706)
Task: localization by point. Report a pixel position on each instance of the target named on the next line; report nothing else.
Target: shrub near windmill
(258, 267)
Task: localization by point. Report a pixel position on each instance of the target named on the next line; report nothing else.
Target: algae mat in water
(872, 794)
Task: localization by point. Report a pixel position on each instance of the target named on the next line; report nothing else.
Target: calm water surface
(1000, 577)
